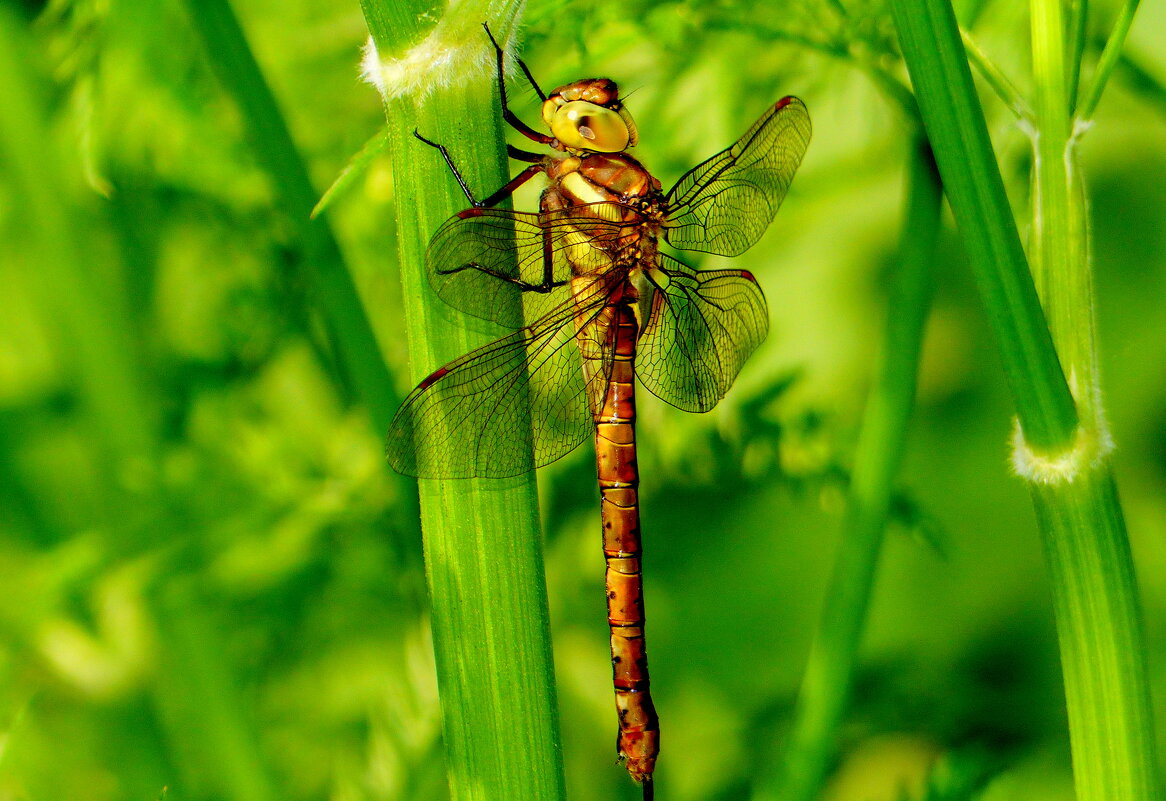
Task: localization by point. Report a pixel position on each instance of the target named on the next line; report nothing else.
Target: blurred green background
(210, 584)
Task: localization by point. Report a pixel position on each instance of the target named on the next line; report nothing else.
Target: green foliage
(960, 776)
(214, 588)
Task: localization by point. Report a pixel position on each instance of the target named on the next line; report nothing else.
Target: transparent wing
(481, 259)
(703, 326)
(470, 418)
(724, 205)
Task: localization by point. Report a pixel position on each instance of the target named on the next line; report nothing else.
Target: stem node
(1089, 449)
(452, 54)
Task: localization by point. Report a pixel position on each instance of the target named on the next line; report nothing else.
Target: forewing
(724, 205)
(702, 327)
(482, 260)
(470, 418)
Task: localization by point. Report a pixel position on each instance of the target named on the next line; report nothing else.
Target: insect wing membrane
(703, 326)
(481, 260)
(469, 419)
(724, 205)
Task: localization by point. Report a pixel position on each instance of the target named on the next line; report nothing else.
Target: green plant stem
(1109, 58)
(1004, 88)
(361, 364)
(1058, 252)
(204, 712)
(482, 541)
(1099, 630)
(826, 682)
(1083, 528)
(938, 66)
(1080, 519)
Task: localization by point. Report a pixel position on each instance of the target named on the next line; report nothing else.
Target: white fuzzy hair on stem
(1092, 443)
(454, 52)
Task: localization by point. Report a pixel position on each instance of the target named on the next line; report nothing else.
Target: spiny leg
(533, 82)
(511, 118)
(506, 191)
(525, 69)
(524, 155)
(452, 168)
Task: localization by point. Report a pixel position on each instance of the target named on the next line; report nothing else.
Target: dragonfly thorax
(604, 178)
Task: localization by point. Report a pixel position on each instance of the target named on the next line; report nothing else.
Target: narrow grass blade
(955, 124)
(320, 256)
(1109, 59)
(826, 682)
(353, 170)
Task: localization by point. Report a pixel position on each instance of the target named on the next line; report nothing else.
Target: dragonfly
(593, 304)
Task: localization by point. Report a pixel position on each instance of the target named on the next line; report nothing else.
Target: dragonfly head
(588, 116)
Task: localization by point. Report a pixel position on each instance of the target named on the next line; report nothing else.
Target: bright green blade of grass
(353, 171)
(482, 542)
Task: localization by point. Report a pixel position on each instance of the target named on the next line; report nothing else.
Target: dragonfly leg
(522, 285)
(521, 63)
(529, 77)
(515, 182)
(508, 115)
(523, 155)
(452, 168)
(505, 192)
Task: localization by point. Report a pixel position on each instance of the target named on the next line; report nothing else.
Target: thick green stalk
(1065, 464)
(1103, 650)
(1086, 546)
(482, 541)
(827, 679)
(955, 124)
(355, 345)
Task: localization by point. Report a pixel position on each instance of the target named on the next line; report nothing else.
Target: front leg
(497, 197)
(508, 115)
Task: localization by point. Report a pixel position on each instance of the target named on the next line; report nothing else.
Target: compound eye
(586, 126)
